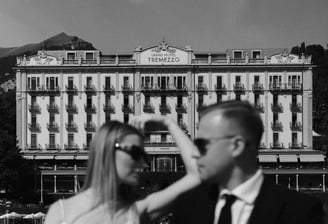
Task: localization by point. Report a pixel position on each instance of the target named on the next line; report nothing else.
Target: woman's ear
(239, 145)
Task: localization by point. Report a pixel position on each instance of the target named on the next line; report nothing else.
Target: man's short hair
(244, 114)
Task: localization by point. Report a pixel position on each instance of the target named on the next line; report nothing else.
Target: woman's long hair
(101, 172)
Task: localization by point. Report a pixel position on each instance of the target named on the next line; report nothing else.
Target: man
(236, 191)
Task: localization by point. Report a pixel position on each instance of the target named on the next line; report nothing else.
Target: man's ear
(239, 144)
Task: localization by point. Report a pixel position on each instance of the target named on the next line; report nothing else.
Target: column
(75, 184)
(323, 182)
(55, 183)
(297, 187)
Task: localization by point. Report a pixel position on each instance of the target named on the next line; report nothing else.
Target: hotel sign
(163, 55)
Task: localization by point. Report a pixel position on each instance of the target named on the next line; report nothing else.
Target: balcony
(200, 107)
(295, 86)
(53, 108)
(258, 87)
(160, 144)
(44, 90)
(296, 145)
(53, 127)
(276, 126)
(238, 87)
(34, 127)
(296, 126)
(73, 147)
(109, 108)
(259, 107)
(71, 108)
(35, 90)
(52, 147)
(109, 89)
(220, 89)
(127, 108)
(71, 90)
(201, 88)
(295, 107)
(34, 147)
(290, 87)
(90, 109)
(90, 89)
(52, 90)
(275, 86)
(181, 108)
(164, 109)
(90, 127)
(277, 145)
(71, 127)
(148, 108)
(34, 108)
(127, 89)
(181, 89)
(277, 108)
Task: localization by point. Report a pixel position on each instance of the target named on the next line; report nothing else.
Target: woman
(116, 156)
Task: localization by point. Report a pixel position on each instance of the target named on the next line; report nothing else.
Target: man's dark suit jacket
(274, 205)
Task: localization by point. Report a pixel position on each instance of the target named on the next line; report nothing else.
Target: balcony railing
(295, 86)
(257, 87)
(277, 145)
(90, 89)
(44, 90)
(201, 87)
(220, 88)
(127, 89)
(34, 108)
(277, 108)
(91, 109)
(52, 147)
(201, 106)
(296, 145)
(295, 107)
(109, 108)
(149, 87)
(71, 89)
(109, 89)
(34, 127)
(286, 87)
(71, 127)
(53, 108)
(160, 144)
(71, 147)
(259, 107)
(296, 126)
(53, 127)
(164, 109)
(148, 108)
(181, 108)
(34, 147)
(239, 87)
(276, 126)
(72, 108)
(127, 108)
(90, 127)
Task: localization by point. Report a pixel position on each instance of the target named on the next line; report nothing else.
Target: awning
(44, 157)
(312, 158)
(288, 158)
(267, 158)
(64, 157)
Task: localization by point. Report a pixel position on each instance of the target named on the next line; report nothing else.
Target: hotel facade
(64, 96)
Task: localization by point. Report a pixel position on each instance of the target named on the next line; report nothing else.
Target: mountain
(61, 41)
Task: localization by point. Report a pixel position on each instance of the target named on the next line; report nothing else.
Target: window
(275, 138)
(294, 100)
(107, 117)
(89, 81)
(89, 101)
(70, 82)
(126, 100)
(164, 164)
(275, 100)
(237, 78)
(256, 79)
(52, 83)
(89, 55)
(33, 141)
(163, 100)
(219, 82)
(33, 100)
(200, 100)
(51, 118)
(179, 100)
(70, 56)
(256, 99)
(294, 118)
(52, 140)
(107, 83)
(147, 100)
(71, 99)
(275, 118)
(89, 138)
(237, 54)
(89, 118)
(126, 81)
(200, 79)
(237, 96)
(33, 119)
(70, 118)
(107, 100)
(256, 54)
(70, 140)
(180, 119)
(126, 118)
(219, 98)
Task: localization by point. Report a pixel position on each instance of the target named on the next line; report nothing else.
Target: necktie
(225, 216)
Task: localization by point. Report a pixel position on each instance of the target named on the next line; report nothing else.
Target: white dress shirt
(246, 194)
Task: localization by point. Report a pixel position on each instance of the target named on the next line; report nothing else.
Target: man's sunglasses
(134, 151)
(201, 143)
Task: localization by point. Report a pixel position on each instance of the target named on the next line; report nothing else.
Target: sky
(205, 25)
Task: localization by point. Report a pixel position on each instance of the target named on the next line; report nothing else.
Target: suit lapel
(267, 205)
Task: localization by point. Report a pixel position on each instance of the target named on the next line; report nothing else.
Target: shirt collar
(248, 190)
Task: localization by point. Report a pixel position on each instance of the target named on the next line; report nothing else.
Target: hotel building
(64, 96)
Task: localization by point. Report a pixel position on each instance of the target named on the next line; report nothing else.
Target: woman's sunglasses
(134, 151)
